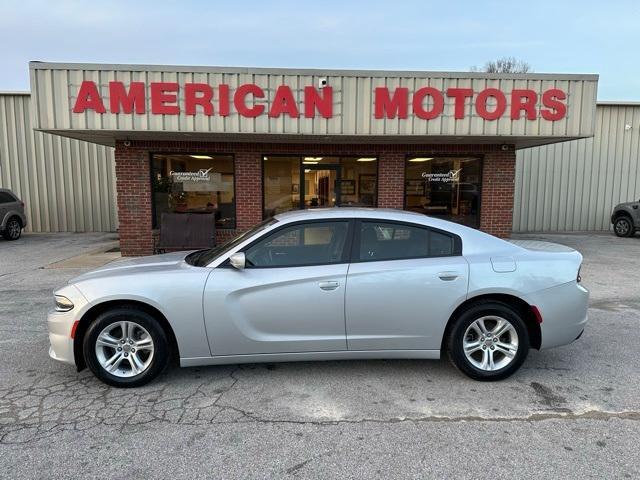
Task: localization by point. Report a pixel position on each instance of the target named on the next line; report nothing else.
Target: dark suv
(626, 218)
(12, 217)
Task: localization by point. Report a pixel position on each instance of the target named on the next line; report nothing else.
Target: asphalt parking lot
(571, 412)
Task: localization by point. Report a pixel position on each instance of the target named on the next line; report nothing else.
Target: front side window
(320, 243)
(194, 184)
(390, 241)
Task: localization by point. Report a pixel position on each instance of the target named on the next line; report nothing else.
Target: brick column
(391, 180)
(133, 187)
(248, 176)
(498, 183)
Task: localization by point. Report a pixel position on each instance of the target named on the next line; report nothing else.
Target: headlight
(63, 304)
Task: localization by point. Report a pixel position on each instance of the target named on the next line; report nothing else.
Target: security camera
(127, 143)
(322, 82)
(504, 147)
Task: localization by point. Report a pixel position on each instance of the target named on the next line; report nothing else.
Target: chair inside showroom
(186, 231)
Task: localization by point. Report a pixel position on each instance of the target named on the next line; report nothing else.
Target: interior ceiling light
(309, 163)
(313, 159)
(420, 159)
(202, 157)
(367, 159)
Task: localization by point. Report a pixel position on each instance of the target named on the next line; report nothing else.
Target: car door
(288, 298)
(403, 284)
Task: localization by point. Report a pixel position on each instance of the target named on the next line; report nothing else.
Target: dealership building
(105, 147)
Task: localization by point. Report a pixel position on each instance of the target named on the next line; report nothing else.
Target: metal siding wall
(55, 88)
(573, 186)
(67, 185)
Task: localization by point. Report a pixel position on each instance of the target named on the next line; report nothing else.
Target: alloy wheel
(13, 227)
(622, 227)
(490, 343)
(124, 349)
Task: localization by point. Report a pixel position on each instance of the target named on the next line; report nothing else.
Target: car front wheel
(488, 341)
(12, 229)
(623, 227)
(126, 347)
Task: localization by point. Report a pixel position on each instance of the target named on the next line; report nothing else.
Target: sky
(552, 36)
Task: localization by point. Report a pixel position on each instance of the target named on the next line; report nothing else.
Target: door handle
(447, 276)
(329, 285)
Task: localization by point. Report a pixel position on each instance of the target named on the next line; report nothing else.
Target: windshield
(202, 258)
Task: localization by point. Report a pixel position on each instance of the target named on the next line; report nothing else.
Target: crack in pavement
(45, 408)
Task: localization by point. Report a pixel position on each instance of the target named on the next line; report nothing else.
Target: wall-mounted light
(420, 159)
(265, 158)
(627, 127)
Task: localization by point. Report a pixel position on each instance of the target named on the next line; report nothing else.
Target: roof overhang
(109, 138)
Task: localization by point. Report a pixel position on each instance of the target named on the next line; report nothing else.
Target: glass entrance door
(320, 186)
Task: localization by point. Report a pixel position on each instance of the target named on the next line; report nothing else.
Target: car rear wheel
(488, 341)
(623, 227)
(126, 347)
(13, 229)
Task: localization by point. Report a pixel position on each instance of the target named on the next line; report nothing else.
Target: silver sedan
(340, 283)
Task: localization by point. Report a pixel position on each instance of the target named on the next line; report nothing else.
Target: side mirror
(238, 260)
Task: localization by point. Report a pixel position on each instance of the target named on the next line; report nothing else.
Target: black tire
(623, 226)
(457, 331)
(161, 348)
(13, 229)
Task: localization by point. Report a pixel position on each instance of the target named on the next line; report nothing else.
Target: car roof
(389, 214)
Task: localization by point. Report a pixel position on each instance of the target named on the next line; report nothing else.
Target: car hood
(627, 204)
(153, 263)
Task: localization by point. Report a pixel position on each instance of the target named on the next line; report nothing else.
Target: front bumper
(61, 326)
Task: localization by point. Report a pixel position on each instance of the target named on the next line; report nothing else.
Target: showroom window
(308, 181)
(194, 184)
(447, 187)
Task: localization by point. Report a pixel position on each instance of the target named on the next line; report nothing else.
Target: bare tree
(504, 65)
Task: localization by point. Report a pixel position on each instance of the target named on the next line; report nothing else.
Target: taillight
(579, 278)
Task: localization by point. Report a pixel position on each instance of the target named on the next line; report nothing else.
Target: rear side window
(6, 197)
(394, 241)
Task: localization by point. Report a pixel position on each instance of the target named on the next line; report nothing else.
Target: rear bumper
(564, 313)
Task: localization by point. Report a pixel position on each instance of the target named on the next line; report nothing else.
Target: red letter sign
(313, 101)
(283, 102)
(239, 100)
(134, 99)
(160, 98)
(89, 99)
(551, 98)
(418, 101)
(223, 101)
(523, 100)
(460, 95)
(198, 94)
(481, 103)
(390, 107)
